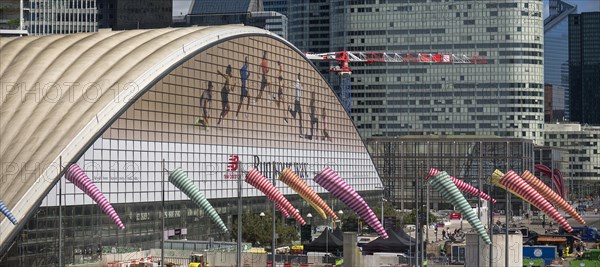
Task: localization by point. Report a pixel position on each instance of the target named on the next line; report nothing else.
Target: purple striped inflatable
(77, 176)
(331, 181)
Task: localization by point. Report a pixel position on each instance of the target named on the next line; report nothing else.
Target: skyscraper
(584, 67)
(502, 98)
(556, 58)
(61, 17)
(128, 15)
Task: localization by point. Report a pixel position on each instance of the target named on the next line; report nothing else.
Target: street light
(382, 201)
(310, 218)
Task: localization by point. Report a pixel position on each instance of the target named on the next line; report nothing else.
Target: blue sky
(182, 6)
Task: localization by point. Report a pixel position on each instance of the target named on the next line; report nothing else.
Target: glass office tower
(503, 97)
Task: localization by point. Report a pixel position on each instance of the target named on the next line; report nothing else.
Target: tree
(257, 230)
(409, 218)
(13, 23)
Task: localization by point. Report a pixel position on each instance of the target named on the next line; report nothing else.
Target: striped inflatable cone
(462, 186)
(444, 185)
(550, 195)
(181, 180)
(512, 181)
(256, 179)
(4, 209)
(290, 178)
(78, 177)
(282, 210)
(333, 183)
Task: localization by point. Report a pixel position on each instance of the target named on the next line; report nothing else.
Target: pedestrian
(443, 234)
(559, 250)
(543, 224)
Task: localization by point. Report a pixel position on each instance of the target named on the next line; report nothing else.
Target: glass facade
(556, 62)
(581, 168)
(403, 162)
(584, 66)
(61, 17)
(503, 97)
(254, 97)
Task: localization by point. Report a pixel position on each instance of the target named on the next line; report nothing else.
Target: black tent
(395, 243)
(403, 235)
(338, 233)
(326, 242)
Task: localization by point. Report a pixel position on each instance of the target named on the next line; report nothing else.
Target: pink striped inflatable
(78, 177)
(333, 183)
(514, 182)
(256, 179)
(283, 211)
(462, 186)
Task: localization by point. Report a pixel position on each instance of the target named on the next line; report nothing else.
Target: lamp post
(310, 218)
(382, 201)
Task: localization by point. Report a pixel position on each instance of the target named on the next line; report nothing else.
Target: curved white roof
(59, 92)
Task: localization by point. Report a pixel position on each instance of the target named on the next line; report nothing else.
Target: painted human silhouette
(314, 120)
(264, 82)
(244, 75)
(205, 101)
(297, 111)
(227, 86)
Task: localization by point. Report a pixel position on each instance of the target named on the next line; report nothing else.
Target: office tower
(556, 60)
(127, 14)
(278, 25)
(61, 17)
(503, 97)
(583, 156)
(584, 67)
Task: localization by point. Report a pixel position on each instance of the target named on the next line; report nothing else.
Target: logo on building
(232, 167)
(232, 164)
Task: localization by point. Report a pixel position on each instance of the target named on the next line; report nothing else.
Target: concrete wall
(515, 251)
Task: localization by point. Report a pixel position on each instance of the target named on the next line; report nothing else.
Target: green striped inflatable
(181, 180)
(443, 184)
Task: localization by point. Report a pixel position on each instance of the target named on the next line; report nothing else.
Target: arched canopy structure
(60, 94)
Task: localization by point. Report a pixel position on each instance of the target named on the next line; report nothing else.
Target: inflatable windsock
(78, 177)
(512, 181)
(462, 186)
(7, 213)
(290, 178)
(283, 211)
(555, 175)
(331, 181)
(550, 195)
(256, 179)
(181, 180)
(444, 185)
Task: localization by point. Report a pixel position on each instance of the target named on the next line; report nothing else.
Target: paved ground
(592, 220)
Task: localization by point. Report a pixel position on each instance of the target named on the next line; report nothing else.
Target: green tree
(409, 218)
(13, 23)
(258, 230)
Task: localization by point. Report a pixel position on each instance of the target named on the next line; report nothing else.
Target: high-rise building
(503, 97)
(584, 67)
(61, 17)
(247, 12)
(556, 59)
(583, 156)
(128, 15)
